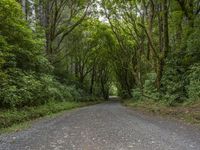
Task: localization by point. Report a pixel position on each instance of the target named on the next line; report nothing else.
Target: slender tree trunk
(152, 54)
(76, 68)
(23, 3)
(166, 30)
(165, 44)
(32, 14)
(150, 27)
(92, 80)
(47, 6)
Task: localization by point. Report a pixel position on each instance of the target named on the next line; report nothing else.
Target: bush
(193, 46)
(20, 90)
(75, 93)
(193, 88)
(149, 89)
(52, 89)
(173, 83)
(137, 94)
(9, 96)
(26, 75)
(11, 117)
(32, 89)
(179, 83)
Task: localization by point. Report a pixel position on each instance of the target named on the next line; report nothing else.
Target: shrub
(9, 96)
(26, 75)
(193, 88)
(20, 89)
(149, 89)
(75, 93)
(136, 94)
(32, 89)
(173, 83)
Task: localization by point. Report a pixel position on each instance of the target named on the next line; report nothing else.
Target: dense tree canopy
(75, 50)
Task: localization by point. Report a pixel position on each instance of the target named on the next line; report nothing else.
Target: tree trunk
(23, 3)
(92, 80)
(165, 44)
(150, 27)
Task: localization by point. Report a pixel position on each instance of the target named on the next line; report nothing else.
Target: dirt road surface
(108, 126)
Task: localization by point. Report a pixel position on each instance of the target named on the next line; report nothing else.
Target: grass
(16, 119)
(188, 112)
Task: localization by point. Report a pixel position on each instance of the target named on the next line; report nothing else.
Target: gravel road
(108, 126)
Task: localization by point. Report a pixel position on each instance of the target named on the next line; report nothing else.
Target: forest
(55, 51)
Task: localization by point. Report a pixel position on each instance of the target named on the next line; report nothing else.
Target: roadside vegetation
(55, 52)
(188, 112)
(13, 118)
(156, 54)
(10, 117)
(36, 78)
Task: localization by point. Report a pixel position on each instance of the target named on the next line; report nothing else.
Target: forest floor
(188, 112)
(106, 126)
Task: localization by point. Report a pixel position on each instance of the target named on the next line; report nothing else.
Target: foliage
(148, 91)
(26, 74)
(164, 41)
(193, 45)
(149, 88)
(137, 94)
(194, 83)
(11, 117)
(62, 53)
(32, 90)
(173, 84)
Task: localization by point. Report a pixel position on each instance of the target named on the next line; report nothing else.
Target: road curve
(108, 126)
